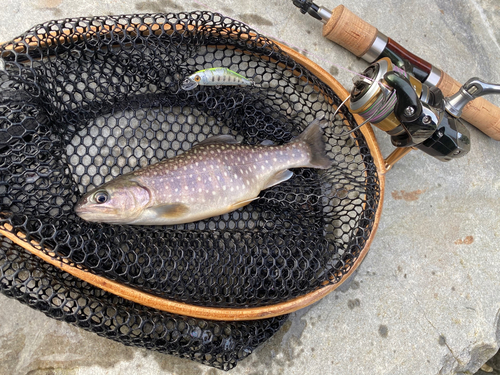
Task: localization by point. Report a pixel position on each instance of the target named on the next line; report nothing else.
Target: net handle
(214, 313)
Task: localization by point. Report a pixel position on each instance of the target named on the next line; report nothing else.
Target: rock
(425, 300)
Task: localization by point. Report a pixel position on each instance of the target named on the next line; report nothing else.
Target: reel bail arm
(418, 123)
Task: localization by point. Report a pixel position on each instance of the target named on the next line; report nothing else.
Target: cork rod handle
(348, 30)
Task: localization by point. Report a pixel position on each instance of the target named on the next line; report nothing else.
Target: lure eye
(197, 78)
(101, 197)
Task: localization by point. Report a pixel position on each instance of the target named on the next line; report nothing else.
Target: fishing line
(378, 111)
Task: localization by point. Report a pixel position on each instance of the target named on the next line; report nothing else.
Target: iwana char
(214, 177)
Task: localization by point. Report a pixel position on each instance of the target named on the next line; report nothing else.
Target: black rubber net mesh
(85, 100)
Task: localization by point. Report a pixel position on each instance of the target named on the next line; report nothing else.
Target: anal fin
(240, 204)
(278, 178)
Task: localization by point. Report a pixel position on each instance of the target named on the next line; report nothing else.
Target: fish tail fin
(312, 136)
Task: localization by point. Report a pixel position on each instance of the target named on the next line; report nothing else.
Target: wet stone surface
(424, 301)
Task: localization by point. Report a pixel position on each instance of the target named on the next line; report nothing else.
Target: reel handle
(364, 40)
(479, 112)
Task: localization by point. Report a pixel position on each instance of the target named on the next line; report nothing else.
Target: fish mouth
(82, 211)
(188, 84)
(93, 213)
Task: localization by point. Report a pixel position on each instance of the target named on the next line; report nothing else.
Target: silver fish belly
(215, 77)
(216, 176)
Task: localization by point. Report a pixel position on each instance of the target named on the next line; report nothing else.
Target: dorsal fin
(218, 139)
(267, 142)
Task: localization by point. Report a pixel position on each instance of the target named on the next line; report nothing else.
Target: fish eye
(197, 78)
(101, 197)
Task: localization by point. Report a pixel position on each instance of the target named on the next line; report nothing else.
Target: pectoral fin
(278, 178)
(170, 211)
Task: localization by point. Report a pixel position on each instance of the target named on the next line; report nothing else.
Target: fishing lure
(215, 77)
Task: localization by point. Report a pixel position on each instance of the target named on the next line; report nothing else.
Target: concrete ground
(425, 301)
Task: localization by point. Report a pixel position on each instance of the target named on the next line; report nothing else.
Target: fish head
(120, 201)
(191, 82)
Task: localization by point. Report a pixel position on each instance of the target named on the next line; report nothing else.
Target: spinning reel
(404, 95)
(412, 113)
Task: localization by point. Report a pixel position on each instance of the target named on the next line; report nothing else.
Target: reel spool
(372, 100)
(87, 99)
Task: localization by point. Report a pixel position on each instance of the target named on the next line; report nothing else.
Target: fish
(214, 177)
(215, 77)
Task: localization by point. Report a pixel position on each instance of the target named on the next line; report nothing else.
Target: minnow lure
(215, 77)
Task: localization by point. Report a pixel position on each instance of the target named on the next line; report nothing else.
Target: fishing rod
(434, 101)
